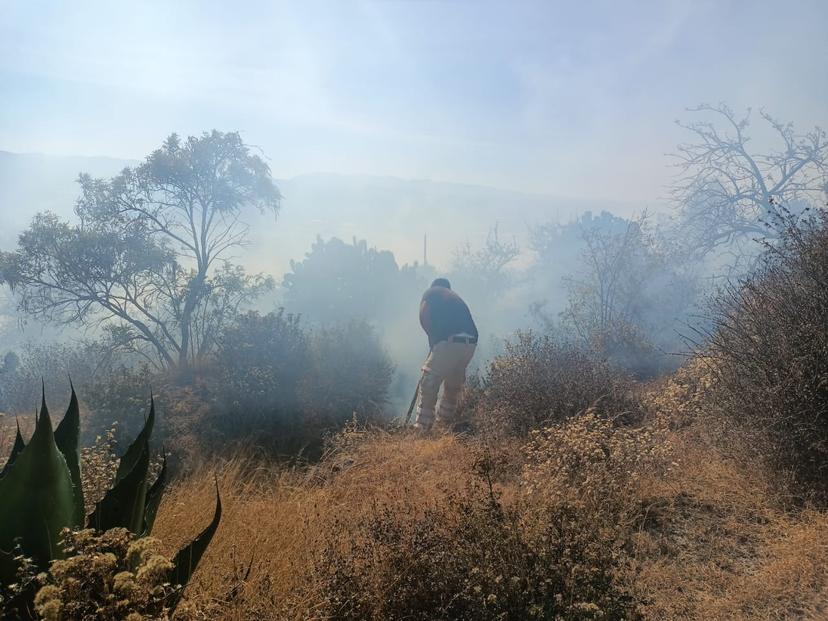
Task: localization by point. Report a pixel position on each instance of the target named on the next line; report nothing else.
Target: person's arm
(425, 320)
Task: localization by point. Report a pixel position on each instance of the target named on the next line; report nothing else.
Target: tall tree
(338, 281)
(148, 259)
(727, 190)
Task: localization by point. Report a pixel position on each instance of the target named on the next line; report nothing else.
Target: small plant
(42, 494)
(107, 576)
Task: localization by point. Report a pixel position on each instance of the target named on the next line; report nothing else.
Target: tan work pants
(446, 365)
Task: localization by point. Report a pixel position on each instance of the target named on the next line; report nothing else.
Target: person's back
(443, 313)
(452, 337)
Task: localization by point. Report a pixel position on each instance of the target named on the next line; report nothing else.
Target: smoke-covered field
(232, 241)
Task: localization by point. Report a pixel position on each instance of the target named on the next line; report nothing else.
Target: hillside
(388, 212)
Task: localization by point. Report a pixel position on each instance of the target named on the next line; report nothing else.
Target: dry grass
(719, 540)
(8, 430)
(279, 518)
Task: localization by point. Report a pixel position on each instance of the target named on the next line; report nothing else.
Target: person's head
(441, 282)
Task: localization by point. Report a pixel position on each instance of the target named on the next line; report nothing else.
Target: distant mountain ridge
(388, 212)
(30, 183)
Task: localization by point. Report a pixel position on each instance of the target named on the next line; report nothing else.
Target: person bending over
(452, 338)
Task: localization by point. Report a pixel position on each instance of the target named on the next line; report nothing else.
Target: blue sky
(567, 98)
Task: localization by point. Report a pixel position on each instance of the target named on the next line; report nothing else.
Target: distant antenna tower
(425, 250)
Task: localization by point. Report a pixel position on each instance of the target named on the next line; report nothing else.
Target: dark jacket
(443, 313)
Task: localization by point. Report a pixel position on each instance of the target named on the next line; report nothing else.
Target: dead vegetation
(667, 520)
(576, 494)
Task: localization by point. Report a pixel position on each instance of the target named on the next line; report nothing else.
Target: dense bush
(284, 387)
(261, 362)
(540, 379)
(119, 395)
(770, 352)
(350, 373)
(114, 388)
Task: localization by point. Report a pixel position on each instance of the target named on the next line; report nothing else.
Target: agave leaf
(154, 498)
(186, 561)
(19, 445)
(123, 505)
(37, 500)
(138, 446)
(67, 438)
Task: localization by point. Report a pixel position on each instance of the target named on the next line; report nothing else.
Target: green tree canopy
(147, 259)
(338, 281)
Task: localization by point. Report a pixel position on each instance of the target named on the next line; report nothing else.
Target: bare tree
(486, 266)
(725, 191)
(628, 296)
(605, 297)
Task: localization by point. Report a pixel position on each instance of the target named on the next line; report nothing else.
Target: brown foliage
(769, 351)
(539, 380)
(671, 520)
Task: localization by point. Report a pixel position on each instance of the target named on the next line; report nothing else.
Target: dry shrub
(718, 542)
(469, 557)
(99, 464)
(593, 467)
(278, 517)
(554, 546)
(391, 525)
(683, 398)
(770, 350)
(668, 519)
(540, 380)
(721, 539)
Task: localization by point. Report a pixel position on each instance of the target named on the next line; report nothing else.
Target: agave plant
(41, 494)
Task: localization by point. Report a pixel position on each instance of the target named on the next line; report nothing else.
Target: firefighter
(452, 339)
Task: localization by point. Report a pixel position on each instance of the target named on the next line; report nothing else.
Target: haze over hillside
(390, 213)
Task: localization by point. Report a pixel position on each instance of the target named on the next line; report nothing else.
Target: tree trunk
(194, 295)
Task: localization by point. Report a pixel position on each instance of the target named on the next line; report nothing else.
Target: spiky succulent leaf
(37, 500)
(186, 561)
(138, 446)
(156, 491)
(67, 438)
(123, 505)
(19, 445)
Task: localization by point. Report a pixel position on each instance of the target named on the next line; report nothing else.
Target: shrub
(350, 376)
(769, 348)
(592, 468)
(469, 559)
(108, 576)
(539, 380)
(52, 363)
(261, 361)
(119, 395)
(284, 388)
(259, 366)
(560, 549)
